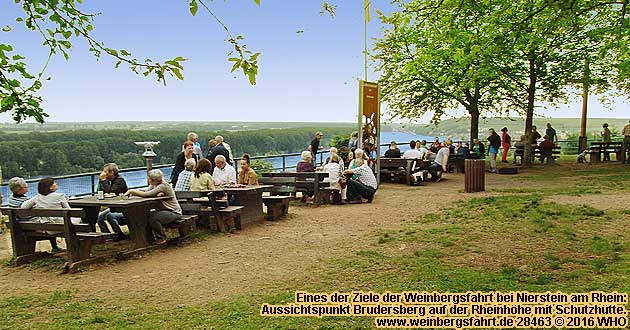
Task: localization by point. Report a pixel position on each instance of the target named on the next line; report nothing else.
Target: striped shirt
(16, 202)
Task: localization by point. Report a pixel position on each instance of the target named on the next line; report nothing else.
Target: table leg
(318, 194)
(137, 219)
(91, 216)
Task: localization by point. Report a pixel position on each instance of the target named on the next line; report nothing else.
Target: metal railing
(82, 184)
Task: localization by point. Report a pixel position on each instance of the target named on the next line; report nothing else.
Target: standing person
(216, 149)
(194, 138)
(169, 210)
(112, 183)
(353, 144)
(625, 146)
(183, 181)
(535, 136)
(364, 185)
(202, 179)
(393, 151)
(494, 144)
(19, 188)
(506, 142)
(230, 157)
(314, 146)
(606, 136)
(181, 159)
(551, 133)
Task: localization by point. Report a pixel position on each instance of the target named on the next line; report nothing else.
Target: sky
(303, 76)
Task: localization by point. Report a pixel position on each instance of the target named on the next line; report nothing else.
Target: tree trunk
(531, 91)
(474, 121)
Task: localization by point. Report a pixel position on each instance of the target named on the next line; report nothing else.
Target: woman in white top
(47, 198)
(335, 172)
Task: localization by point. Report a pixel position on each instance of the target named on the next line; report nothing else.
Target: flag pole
(366, 18)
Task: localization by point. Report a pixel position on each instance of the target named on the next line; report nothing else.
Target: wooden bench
(396, 169)
(600, 149)
(555, 152)
(25, 234)
(282, 192)
(205, 208)
(306, 182)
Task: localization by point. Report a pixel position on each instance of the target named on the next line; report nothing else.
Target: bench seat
(277, 206)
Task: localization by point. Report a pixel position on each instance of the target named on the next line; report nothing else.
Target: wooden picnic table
(136, 211)
(316, 177)
(600, 148)
(250, 198)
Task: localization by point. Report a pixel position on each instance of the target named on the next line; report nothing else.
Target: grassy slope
(460, 127)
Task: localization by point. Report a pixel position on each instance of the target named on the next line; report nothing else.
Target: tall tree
(438, 55)
(546, 45)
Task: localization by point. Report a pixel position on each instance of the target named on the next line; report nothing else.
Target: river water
(83, 185)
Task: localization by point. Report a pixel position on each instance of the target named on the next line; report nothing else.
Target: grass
(517, 242)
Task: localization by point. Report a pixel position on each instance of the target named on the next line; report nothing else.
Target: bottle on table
(99, 191)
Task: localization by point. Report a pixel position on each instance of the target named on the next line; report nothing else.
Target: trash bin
(474, 175)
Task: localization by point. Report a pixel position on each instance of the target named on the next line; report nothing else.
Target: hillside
(460, 127)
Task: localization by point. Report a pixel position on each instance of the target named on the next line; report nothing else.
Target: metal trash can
(474, 175)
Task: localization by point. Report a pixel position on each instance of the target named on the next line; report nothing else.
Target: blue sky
(309, 76)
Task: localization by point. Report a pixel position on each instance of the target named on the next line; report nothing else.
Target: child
(581, 158)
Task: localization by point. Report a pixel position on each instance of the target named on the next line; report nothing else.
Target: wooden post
(585, 87)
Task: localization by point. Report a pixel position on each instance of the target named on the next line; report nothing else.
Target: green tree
(548, 44)
(60, 23)
(437, 55)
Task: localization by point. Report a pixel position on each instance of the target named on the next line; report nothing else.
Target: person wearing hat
(625, 147)
(393, 151)
(506, 142)
(606, 137)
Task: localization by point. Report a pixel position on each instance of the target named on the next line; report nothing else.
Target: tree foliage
(69, 152)
(500, 55)
(60, 23)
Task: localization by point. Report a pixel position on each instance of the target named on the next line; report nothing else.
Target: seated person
(435, 146)
(224, 173)
(169, 210)
(48, 198)
(441, 162)
(306, 164)
(546, 150)
(332, 151)
(393, 151)
(364, 185)
(112, 183)
(246, 174)
(478, 150)
(201, 179)
(581, 158)
(335, 174)
(19, 188)
(412, 153)
(183, 180)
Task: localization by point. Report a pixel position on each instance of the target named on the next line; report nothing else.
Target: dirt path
(258, 257)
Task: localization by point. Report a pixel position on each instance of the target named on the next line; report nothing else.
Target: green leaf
(257, 2)
(252, 78)
(6, 29)
(177, 73)
(193, 7)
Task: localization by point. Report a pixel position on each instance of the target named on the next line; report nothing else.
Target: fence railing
(82, 184)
